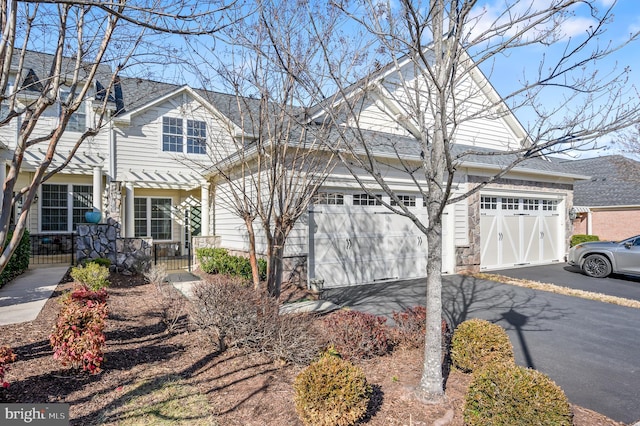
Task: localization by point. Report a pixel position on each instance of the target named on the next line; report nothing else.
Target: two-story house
(149, 168)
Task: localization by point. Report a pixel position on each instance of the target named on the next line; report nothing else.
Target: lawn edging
(553, 288)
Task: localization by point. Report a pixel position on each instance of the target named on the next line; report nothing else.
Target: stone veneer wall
(103, 240)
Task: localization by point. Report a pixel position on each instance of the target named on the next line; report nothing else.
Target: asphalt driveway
(569, 276)
(588, 348)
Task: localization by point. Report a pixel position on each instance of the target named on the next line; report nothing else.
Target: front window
(196, 137)
(62, 202)
(152, 218)
(78, 120)
(171, 134)
(174, 134)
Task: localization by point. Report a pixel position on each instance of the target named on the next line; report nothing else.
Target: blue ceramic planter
(93, 217)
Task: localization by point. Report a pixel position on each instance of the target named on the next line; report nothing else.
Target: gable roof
(139, 94)
(615, 181)
(377, 78)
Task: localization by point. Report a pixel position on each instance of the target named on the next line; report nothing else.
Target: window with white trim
(171, 134)
(78, 120)
(366, 200)
(152, 218)
(196, 137)
(174, 134)
(550, 205)
(407, 200)
(530, 204)
(63, 206)
(333, 198)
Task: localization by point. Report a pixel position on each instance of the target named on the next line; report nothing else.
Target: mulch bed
(243, 389)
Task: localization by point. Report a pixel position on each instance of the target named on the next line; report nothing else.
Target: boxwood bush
(477, 342)
(510, 395)
(331, 392)
(19, 261)
(219, 261)
(582, 238)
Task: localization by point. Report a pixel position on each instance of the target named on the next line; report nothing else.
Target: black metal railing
(172, 255)
(52, 249)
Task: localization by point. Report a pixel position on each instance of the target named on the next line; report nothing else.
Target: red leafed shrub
(78, 335)
(410, 327)
(6, 357)
(83, 295)
(357, 335)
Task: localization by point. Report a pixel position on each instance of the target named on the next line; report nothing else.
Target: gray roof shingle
(615, 181)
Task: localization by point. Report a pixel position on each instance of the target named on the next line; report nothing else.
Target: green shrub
(91, 275)
(219, 261)
(102, 261)
(357, 335)
(331, 391)
(19, 261)
(511, 395)
(477, 342)
(582, 238)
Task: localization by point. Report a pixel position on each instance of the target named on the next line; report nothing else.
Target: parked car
(601, 258)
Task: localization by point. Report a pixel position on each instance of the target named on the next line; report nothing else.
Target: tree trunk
(431, 384)
(275, 269)
(253, 259)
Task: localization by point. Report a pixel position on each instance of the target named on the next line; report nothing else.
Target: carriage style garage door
(355, 240)
(519, 231)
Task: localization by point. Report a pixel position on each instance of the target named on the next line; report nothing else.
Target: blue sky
(625, 21)
(509, 69)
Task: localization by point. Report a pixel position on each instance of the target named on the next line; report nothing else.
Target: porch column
(97, 189)
(3, 176)
(589, 223)
(204, 201)
(129, 211)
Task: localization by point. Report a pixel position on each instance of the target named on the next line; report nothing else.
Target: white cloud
(492, 14)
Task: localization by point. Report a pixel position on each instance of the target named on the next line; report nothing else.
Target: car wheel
(597, 266)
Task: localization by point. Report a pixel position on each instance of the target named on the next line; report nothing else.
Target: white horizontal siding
(139, 145)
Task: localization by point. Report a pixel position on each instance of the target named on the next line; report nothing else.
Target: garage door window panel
(328, 198)
(406, 200)
(367, 200)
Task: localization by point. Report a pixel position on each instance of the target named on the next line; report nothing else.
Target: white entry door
(519, 231)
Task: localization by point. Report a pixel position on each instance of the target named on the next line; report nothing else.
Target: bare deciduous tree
(432, 88)
(280, 160)
(56, 57)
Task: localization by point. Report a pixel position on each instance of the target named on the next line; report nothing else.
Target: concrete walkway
(183, 281)
(22, 299)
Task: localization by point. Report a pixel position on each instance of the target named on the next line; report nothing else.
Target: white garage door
(356, 240)
(519, 231)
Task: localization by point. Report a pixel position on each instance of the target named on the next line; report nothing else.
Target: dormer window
(174, 134)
